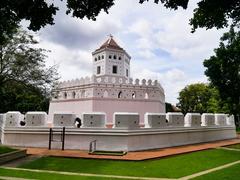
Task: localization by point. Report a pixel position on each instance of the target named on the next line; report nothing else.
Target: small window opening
(98, 69)
(65, 95)
(73, 94)
(120, 94)
(114, 70)
(133, 95)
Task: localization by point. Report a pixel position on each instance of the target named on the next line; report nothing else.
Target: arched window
(120, 94)
(119, 58)
(73, 94)
(114, 57)
(65, 95)
(146, 95)
(95, 59)
(83, 94)
(134, 95)
(102, 56)
(110, 57)
(105, 94)
(99, 57)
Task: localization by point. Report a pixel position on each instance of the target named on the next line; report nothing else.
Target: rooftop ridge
(110, 43)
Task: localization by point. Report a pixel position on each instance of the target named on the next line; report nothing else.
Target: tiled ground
(140, 155)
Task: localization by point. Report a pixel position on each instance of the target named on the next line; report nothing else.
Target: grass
(4, 149)
(44, 175)
(230, 173)
(235, 146)
(238, 130)
(170, 167)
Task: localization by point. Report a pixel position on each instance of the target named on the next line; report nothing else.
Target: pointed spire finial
(111, 36)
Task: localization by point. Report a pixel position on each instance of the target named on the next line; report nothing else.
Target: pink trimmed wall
(109, 106)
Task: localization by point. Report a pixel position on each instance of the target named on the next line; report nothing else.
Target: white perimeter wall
(109, 106)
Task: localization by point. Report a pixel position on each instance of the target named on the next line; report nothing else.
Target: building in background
(110, 89)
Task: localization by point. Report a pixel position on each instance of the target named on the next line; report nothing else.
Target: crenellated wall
(109, 87)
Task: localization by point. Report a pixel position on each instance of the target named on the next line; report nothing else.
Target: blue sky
(158, 40)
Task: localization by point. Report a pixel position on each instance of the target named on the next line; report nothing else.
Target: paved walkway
(140, 155)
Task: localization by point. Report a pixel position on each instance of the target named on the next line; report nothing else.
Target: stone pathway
(140, 155)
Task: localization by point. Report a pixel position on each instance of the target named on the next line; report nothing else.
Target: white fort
(113, 111)
(110, 89)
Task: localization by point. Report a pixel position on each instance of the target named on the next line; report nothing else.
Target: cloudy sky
(158, 40)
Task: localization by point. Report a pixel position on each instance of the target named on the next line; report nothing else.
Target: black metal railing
(53, 132)
(92, 146)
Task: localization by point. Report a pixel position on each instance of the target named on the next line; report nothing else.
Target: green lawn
(230, 173)
(235, 146)
(44, 176)
(170, 167)
(4, 149)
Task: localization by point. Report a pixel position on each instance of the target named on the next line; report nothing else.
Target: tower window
(99, 57)
(110, 57)
(114, 70)
(127, 72)
(95, 59)
(119, 58)
(114, 57)
(102, 56)
(98, 69)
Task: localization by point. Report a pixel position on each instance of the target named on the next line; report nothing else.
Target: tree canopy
(223, 69)
(25, 81)
(209, 13)
(200, 98)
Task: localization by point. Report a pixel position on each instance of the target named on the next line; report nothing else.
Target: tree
(20, 97)
(24, 77)
(200, 98)
(20, 61)
(209, 13)
(223, 69)
(171, 108)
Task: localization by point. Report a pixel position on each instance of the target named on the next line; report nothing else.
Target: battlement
(109, 87)
(106, 80)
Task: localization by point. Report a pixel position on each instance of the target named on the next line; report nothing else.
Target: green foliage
(38, 12)
(20, 97)
(165, 167)
(25, 81)
(223, 70)
(171, 108)
(200, 98)
(209, 13)
(212, 13)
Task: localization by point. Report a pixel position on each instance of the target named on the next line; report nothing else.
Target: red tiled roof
(111, 44)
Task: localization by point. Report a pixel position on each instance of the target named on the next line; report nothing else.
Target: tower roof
(110, 44)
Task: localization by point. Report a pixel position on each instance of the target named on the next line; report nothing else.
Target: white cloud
(159, 41)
